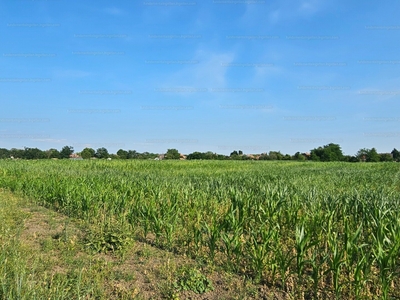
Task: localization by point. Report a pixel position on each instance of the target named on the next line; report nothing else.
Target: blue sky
(200, 76)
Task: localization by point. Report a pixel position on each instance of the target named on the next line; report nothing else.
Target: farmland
(306, 230)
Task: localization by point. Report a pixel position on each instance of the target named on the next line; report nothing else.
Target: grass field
(296, 230)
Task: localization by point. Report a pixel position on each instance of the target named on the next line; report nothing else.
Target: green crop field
(309, 230)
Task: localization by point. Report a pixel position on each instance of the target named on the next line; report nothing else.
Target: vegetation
(307, 230)
(330, 152)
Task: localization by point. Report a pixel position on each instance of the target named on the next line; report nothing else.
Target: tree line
(330, 152)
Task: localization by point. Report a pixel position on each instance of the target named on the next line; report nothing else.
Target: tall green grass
(310, 229)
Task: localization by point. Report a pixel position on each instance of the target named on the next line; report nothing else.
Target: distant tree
(33, 153)
(195, 155)
(350, 158)
(66, 151)
(88, 153)
(369, 155)
(234, 153)
(275, 155)
(362, 154)
(17, 153)
(172, 154)
(396, 154)
(132, 154)
(288, 157)
(299, 156)
(209, 155)
(330, 152)
(385, 157)
(146, 155)
(314, 156)
(240, 152)
(4, 153)
(373, 156)
(52, 153)
(122, 154)
(102, 153)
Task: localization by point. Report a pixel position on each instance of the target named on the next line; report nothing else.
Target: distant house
(182, 156)
(253, 156)
(75, 156)
(161, 156)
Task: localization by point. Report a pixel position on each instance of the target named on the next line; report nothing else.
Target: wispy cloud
(310, 6)
(282, 11)
(113, 11)
(208, 73)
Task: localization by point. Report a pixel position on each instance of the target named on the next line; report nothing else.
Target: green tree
(33, 153)
(369, 155)
(330, 152)
(122, 154)
(88, 153)
(53, 153)
(172, 154)
(195, 155)
(299, 156)
(362, 154)
(132, 154)
(385, 157)
(17, 153)
(288, 157)
(4, 153)
(234, 153)
(396, 154)
(373, 155)
(66, 151)
(102, 153)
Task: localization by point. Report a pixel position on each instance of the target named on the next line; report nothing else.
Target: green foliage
(88, 153)
(205, 155)
(4, 153)
(102, 153)
(299, 156)
(66, 151)
(385, 157)
(122, 154)
(190, 279)
(109, 237)
(172, 154)
(330, 230)
(368, 155)
(330, 152)
(396, 154)
(33, 153)
(53, 153)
